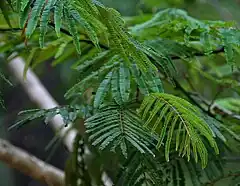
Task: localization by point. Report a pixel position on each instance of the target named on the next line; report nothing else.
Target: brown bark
(30, 165)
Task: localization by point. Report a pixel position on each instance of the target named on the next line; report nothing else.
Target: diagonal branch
(64, 31)
(214, 108)
(41, 97)
(30, 165)
(201, 54)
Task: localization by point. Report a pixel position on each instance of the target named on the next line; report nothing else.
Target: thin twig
(64, 31)
(200, 54)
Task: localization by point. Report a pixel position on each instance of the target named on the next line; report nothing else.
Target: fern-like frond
(34, 17)
(58, 16)
(116, 128)
(44, 20)
(24, 13)
(87, 26)
(182, 173)
(159, 59)
(94, 18)
(119, 82)
(93, 76)
(116, 80)
(102, 90)
(148, 81)
(176, 172)
(68, 113)
(175, 119)
(71, 11)
(29, 115)
(121, 41)
(141, 169)
(170, 48)
(95, 62)
(72, 29)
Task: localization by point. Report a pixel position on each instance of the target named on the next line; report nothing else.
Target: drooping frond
(176, 120)
(141, 169)
(29, 115)
(68, 114)
(44, 20)
(182, 173)
(72, 29)
(96, 61)
(74, 12)
(93, 76)
(115, 79)
(121, 41)
(116, 128)
(162, 62)
(102, 90)
(148, 82)
(119, 82)
(170, 48)
(95, 19)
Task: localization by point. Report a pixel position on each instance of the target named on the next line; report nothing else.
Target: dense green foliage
(140, 105)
